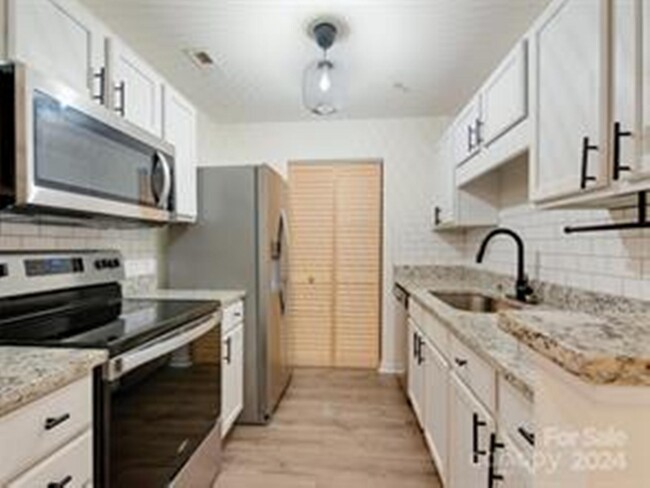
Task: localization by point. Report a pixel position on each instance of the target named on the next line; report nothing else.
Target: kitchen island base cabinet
(232, 372)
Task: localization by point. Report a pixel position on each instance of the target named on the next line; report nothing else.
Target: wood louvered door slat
(311, 224)
(335, 263)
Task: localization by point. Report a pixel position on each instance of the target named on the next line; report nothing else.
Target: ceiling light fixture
(321, 83)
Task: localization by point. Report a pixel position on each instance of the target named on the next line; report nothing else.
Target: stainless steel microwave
(62, 153)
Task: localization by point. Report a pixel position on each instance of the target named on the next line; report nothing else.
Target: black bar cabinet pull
(584, 175)
(436, 216)
(527, 435)
(415, 345)
(228, 357)
(476, 424)
(60, 484)
(460, 362)
(479, 132)
(420, 355)
(101, 76)
(121, 88)
(52, 422)
(470, 138)
(618, 134)
(492, 473)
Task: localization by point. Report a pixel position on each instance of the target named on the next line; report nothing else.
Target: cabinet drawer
(72, 464)
(475, 372)
(44, 426)
(232, 315)
(431, 327)
(516, 416)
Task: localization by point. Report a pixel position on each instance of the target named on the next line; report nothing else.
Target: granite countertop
(224, 297)
(612, 349)
(29, 373)
(481, 332)
(602, 339)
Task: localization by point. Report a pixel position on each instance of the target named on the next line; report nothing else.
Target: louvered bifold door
(311, 226)
(356, 265)
(335, 264)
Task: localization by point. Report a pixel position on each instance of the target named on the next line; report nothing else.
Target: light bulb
(325, 82)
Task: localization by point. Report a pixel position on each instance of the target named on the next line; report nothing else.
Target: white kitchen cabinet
(470, 429)
(512, 468)
(569, 152)
(504, 97)
(61, 39)
(55, 438)
(137, 89)
(458, 208)
(232, 373)
(416, 371)
(436, 398)
(179, 129)
(467, 132)
(630, 155)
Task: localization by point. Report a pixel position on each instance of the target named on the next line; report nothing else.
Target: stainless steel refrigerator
(240, 242)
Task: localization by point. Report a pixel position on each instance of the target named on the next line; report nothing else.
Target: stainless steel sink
(475, 302)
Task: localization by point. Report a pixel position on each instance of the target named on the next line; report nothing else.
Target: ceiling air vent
(201, 58)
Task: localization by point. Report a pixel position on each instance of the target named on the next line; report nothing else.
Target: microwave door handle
(167, 180)
(125, 363)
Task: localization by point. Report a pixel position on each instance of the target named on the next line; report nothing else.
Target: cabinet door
(444, 184)
(504, 97)
(415, 379)
(569, 150)
(180, 130)
(513, 465)
(467, 132)
(471, 427)
(631, 90)
(232, 378)
(436, 398)
(137, 90)
(59, 38)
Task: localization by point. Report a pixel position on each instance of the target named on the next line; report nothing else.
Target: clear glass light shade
(322, 87)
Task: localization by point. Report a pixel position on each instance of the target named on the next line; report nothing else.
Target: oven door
(165, 399)
(73, 154)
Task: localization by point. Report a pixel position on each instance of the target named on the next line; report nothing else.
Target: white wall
(406, 147)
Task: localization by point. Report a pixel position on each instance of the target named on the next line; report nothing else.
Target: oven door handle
(131, 360)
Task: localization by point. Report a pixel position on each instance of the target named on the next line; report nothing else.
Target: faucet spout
(523, 289)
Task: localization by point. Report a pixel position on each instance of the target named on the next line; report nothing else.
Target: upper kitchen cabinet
(467, 132)
(179, 129)
(137, 88)
(494, 128)
(457, 208)
(570, 109)
(60, 38)
(504, 98)
(630, 125)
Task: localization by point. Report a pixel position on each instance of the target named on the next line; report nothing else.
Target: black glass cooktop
(93, 317)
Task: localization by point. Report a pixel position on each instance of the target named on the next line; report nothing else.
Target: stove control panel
(53, 266)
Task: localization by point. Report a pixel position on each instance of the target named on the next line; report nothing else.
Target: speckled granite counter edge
(598, 370)
(28, 374)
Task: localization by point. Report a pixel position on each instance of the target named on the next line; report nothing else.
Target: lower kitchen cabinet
(436, 407)
(232, 372)
(416, 371)
(54, 440)
(511, 469)
(470, 428)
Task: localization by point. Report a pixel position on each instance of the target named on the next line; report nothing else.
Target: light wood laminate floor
(334, 429)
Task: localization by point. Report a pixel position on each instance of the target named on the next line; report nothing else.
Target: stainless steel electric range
(157, 401)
